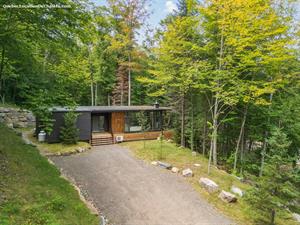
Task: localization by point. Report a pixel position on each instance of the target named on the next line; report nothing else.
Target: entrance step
(102, 141)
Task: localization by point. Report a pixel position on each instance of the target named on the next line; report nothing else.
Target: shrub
(69, 132)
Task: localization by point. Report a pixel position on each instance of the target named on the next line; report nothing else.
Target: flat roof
(109, 108)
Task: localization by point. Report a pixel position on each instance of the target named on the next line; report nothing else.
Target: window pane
(154, 121)
(132, 123)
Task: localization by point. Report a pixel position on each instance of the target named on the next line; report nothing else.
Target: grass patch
(182, 158)
(31, 189)
(9, 105)
(54, 148)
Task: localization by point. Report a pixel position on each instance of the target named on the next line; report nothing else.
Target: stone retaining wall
(16, 118)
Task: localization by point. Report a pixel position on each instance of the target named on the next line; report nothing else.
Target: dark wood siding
(83, 124)
(117, 122)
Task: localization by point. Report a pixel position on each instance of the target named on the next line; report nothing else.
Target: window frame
(151, 115)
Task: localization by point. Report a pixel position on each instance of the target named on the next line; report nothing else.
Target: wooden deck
(101, 135)
(105, 138)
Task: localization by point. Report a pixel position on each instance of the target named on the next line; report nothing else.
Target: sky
(158, 8)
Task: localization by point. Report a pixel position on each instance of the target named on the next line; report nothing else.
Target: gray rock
(165, 165)
(209, 185)
(22, 118)
(19, 124)
(175, 170)
(227, 197)
(187, 172)
(236, 190)
(194, 153)
(296, 216)
(197, 165)
(5, 110)
(9, 125)
(79, 149)
(154, 163)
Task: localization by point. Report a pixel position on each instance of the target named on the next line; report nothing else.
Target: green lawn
(31, 189)
(54, 148)
(182, 158)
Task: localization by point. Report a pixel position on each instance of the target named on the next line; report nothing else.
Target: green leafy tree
(277, 188)
(69, 131)
(127, 17)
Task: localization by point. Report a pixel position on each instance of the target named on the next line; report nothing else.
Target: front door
(100, 123)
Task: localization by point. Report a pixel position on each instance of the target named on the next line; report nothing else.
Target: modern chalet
(111, 124)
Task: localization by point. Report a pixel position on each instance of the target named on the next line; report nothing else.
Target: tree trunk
(129, 81)
(96, 94)
(263, 154)
(215, 132)
(240, 137)
(273, 213)
(192, 124)
(92, 90)
(216, 105)
(182, 140)
(210, 155)
(242, 150)
(204, 134)
(265, 143)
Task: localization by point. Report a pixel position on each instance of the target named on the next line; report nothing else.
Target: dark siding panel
(84, 125)
(58, 118)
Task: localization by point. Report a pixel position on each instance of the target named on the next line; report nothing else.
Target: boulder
(236, 190)
(154, 163)
(194, 153)
(296, 216)
(208, 184)
(79, 149)
(227, 197)
(165, 165)
(175, 170)
(187, 172)
(197, 165)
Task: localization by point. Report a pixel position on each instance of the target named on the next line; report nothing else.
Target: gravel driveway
(131, 192)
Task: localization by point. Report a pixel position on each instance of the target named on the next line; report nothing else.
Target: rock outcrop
(16, 118)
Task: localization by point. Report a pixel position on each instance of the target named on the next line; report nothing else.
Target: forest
(230, 70)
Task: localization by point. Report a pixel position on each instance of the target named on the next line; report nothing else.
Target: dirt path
(131, 192)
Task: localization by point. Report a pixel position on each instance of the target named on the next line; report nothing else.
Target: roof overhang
(103, 109)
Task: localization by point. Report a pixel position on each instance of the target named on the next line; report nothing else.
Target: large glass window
(132, 122)
(154, 121)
